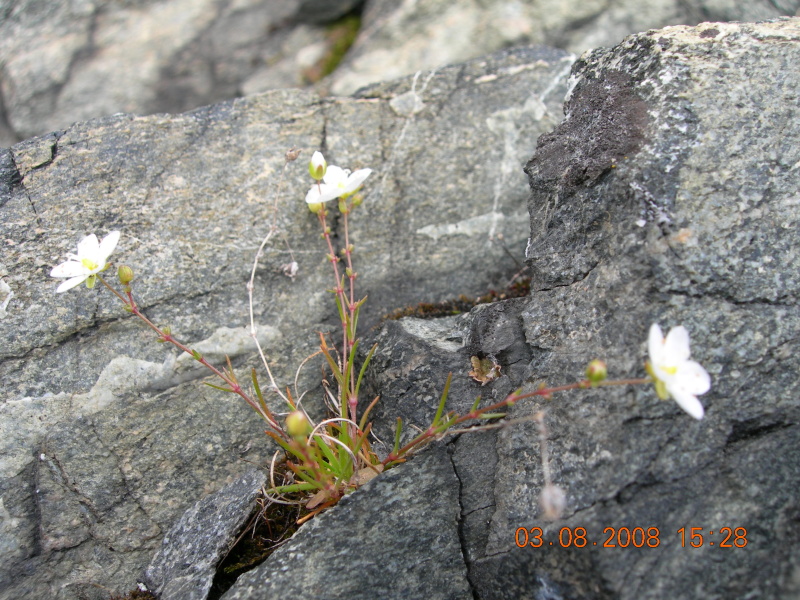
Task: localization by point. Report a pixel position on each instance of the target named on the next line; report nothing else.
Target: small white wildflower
(337, 183)
(91, 259)
(552, 500)
(675, 375)
(317, 166)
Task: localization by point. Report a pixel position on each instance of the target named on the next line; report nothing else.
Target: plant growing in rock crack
(329, 459)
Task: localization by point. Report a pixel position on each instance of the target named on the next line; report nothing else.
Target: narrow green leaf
(308, 479)
(369, 409)
(294, 487)
(354, 324)
(361, 438)
(259, 395)
(334, 367)
(397, 433)
(342, 316)
(492, 416)
(342, 433)
(446, 391)
(442, 427)
(475, 405)
(282, 443)
(329, 454)
(361, 376)
(350, 360)
(220, 388)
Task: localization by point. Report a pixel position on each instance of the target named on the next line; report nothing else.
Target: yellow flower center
(668, 370)
(89, 264)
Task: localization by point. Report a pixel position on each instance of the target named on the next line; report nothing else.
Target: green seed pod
(125, 274)
(596, 371)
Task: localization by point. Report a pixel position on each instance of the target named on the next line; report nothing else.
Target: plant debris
(431, 310)
(484, 370)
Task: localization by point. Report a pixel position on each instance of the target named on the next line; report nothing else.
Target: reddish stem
(166, 337)
(507, 402)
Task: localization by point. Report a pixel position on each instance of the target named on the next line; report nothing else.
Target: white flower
(92, 257)
(317, 166)
(337, 182)
(552, 500)
(675, 375)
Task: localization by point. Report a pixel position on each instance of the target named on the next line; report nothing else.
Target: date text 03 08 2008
(636, 537)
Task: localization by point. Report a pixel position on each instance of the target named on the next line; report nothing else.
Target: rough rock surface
(185, 565)
(399, 38)
(62, 62)
(669, 194)
(411, 558)
(130, 438)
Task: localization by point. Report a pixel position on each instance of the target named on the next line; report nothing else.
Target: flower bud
(552, 500)
(125, 274)
(316, 207)
(297, 424)
(596, 371)
(317, 166)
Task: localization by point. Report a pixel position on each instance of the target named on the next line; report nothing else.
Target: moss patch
(340, 36)
(271, 526)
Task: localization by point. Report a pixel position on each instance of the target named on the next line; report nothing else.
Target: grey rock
(400, 38)
(106, 487)
(185, 565)
(396, 537)
(67, 62)
(62, 62)
(414, 357)
(652, 203)
(138, 438)
(635, 224)
(680, 212)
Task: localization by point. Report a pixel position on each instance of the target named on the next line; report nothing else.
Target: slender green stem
(339, 291)
(348, 252)
(348, 397)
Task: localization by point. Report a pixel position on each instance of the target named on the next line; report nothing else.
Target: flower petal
(107, 246)
(335, 176)
(71, 283)
(655, 344)
(688, 402)
(694, 378)
(676, 345)
(329, 192)
(355, 180)
(70, 268)
(312, 197)
(88, 246)
(322, 193)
